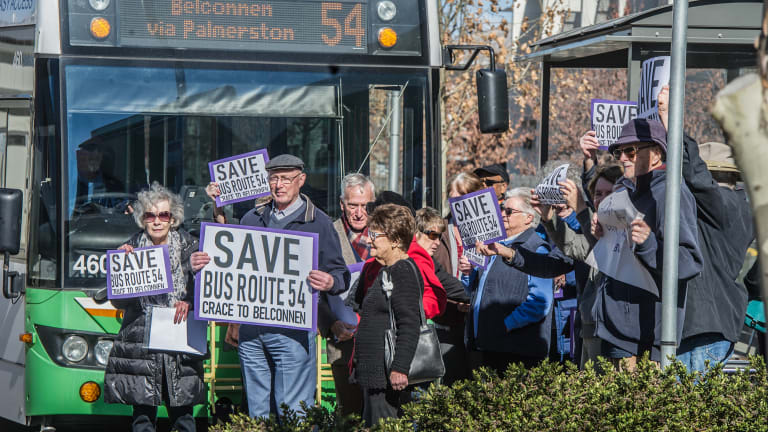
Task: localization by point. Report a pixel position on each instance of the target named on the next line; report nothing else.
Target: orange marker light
(100, 28)
(90, 391)
(387, 37)
(26, 338)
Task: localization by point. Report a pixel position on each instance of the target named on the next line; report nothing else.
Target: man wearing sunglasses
(630, 319)
(495, 176)
(279, 365)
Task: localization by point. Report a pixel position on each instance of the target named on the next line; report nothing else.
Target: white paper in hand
(613, 254)
(188, 336)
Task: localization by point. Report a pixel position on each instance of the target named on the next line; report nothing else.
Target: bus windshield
(128, 126)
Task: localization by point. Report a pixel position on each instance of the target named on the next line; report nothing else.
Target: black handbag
(427, 364)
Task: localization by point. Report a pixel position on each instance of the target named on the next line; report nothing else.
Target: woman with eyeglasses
(390, 230)
(134, 375)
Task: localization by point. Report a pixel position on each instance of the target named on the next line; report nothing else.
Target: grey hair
(157, 193)
(356, 180)
(524, 195)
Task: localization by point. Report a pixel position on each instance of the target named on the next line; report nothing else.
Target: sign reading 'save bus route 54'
(283, 25)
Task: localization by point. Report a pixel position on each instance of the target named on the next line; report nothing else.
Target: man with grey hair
(357, 190)
(510, 316)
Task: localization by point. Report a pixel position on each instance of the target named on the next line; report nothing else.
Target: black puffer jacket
(134, 375)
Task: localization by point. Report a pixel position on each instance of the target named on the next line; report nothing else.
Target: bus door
(15, 138)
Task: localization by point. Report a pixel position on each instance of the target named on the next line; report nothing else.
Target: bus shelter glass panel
(170, 122)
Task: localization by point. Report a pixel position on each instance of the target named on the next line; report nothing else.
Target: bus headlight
(385, 9)
(99, 5)
(101, 351)
(74, 348)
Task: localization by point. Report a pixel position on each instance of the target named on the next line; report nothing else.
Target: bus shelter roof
(721, 35)
(724, 28)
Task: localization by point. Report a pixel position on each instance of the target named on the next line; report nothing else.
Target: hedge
(552, 397)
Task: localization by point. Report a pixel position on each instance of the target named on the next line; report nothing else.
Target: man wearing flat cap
(716, 303)
(629, 322)
(495, 176)
(279, 365)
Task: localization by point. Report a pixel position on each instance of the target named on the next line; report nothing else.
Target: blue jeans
(278, 368)
(696, 350)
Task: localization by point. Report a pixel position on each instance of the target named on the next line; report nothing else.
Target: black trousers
(145, 416)
(380, 403)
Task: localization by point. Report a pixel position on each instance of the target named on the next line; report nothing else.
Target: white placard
(608, 117)
(477, 216)
(145, 271)
(613, 254)
(240, 178)
(548, 190)
(654, 76)
(189, 336)
(476, 258)
(257, 276)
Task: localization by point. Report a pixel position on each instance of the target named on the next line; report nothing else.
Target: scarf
(178, 274)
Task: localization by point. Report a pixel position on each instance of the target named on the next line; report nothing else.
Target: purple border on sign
(315, 240)
(495, 203)
(220, 203)
(356, 267)
(168, 274)
(592, 111)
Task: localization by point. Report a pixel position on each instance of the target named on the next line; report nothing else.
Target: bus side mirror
(10, 237)
(492, 100)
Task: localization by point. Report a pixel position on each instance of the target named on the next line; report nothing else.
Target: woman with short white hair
(134, 375)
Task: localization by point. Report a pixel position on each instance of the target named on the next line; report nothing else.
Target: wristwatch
(509, 260)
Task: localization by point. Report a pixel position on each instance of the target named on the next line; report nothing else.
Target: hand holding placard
(239, 178)
(136, 272)
(477, 216)
(258, 276)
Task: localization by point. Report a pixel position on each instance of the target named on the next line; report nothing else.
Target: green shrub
(552, 397)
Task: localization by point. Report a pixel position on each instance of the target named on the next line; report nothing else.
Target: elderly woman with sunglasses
(390, 229)
(134, 375)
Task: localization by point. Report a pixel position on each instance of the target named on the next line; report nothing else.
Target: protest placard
(478, 217)
(654, 76)
(548, 190)
(613, 254)
(145, 271)
(257, 276)
(608, 117)
(476, 258)
(240, 177)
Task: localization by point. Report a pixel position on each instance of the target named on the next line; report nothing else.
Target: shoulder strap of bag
(386, 286)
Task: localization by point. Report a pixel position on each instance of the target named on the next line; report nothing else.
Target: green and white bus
(100, 98)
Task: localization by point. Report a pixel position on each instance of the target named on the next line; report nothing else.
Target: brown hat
(718, 157)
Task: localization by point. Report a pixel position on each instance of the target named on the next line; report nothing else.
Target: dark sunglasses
(629, 151)
(492, 182)
(510, 211)
(433, 235)
(163, 216)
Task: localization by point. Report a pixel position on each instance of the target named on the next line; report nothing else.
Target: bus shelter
(721, 35)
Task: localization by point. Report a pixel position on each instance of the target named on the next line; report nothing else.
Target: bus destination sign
(275, 25)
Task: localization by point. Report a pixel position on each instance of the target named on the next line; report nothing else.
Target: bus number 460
(91, 264)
